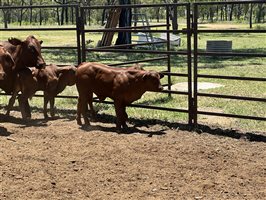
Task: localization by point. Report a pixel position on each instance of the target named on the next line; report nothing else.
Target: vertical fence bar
(189, 66)
(195, 97)
(168, 48)
(82, 30)
(78, 24)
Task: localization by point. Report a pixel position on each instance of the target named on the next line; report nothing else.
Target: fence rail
(197, 53)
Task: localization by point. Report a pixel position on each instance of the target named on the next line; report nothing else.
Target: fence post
(78, 28)
(168, 49)
(195, 93)
(189, 67)
(82, 31)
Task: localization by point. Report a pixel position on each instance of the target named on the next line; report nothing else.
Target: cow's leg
(81, 110)
(90, 100)
(124, 118)
(13, 97)
(78, 118)
(11, 102)
(45, 102)
(21, 100)
(119, 114)
(27, 108)
(52, 109)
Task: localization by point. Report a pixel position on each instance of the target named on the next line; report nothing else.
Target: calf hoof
(52, 113)
(86, 121)
(93, 119)
(124, 126)
(121, 129)
(79, 121)
(93, 114)
(26, 117)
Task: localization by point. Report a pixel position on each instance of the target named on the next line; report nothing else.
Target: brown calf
(51, 79)
(122, 85)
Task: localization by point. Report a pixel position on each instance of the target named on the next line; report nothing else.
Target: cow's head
(70, 75)
(152, 80)
(6, 62)
(29, 54)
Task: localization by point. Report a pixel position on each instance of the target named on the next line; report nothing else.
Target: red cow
(25, 54)
(122, 85)
(6, 62)
(51, 79)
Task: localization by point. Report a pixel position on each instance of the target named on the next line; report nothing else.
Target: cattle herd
(23, 71)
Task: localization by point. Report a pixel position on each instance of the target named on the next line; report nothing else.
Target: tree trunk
(259, 13)
(211, 14)
(62, 16)
(30, 12)
(239, 12)
(66, 12)
(5, 19)
(174, 19)
(250, 15)
(21, 14)
(124, 21)
(40, 16)
(158, 14)
(6, 14)
(226, 12)
(63, 13)
(222, 14)
(72, 15)
(58, 16)
(231, 12)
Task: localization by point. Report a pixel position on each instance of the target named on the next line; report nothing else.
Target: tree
(124, 21)
(6, 12)
(21, 12)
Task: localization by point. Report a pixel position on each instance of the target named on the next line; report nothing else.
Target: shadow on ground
(200, 128)
(4, 132)
(70, 115)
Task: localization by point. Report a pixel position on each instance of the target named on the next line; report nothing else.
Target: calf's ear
(15, 41)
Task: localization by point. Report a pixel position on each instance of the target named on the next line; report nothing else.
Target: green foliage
(62, 16)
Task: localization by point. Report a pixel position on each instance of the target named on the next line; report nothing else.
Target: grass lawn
(237, 66)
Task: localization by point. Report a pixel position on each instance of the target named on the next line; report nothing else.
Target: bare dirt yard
(56, 159)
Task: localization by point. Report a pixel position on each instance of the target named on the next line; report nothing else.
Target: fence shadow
(23, 122)
(249, 136)
(70, 115)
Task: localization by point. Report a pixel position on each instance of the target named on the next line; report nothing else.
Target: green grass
(237, 66)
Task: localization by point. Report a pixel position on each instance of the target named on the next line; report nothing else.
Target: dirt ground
(57, 159)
